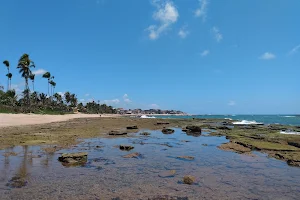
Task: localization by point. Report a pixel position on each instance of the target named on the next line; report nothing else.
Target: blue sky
(209, 56)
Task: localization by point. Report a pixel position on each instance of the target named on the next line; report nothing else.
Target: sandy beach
(31, 119)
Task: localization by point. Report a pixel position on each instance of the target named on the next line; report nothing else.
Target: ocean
(266, 119)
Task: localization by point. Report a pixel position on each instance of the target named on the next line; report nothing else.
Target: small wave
(228, 118)
(288, 132)
(147, 117)
(288, 116)
(246, 122)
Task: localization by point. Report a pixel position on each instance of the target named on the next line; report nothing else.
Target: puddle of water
(107, 175)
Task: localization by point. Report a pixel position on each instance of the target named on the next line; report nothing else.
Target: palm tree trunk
(33, 86)
(7, 83)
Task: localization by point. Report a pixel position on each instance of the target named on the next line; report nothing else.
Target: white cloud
(294, 50)
(267, 56)
(231, 103)
(205, 53)
(112, 102)
(61, 93)
(19, 88)
(217, 34)
(183, 33)
(82, 100)
(154, 106)
(166, 14)
(87, 95)
(126, 98)
(39, 72)
(202, 10)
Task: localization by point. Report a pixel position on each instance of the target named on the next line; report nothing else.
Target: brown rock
(132, 155)
(116, 132)
(231, 146)
(186, 157)
(73, 158)
(189, 179)
(167, 174)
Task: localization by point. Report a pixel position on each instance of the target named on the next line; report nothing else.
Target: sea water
(266, 119)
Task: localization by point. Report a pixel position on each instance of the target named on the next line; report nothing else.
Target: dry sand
(30, 119)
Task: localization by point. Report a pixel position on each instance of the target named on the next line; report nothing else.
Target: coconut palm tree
(6, 63)
(53, 84)
(47, 75)
(31, 77)
(67, 97)
(24, 65)
(9, 76)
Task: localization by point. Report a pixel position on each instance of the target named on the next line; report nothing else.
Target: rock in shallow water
(189, 179)
(186, 157)
(73, 158)
(167, 174)
(115, 132)
(132, 155)
(126, 147)
(167, 131)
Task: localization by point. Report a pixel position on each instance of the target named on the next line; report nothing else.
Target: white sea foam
(228, 118)
(147, 117)
(246, 122)
(289, 116)
(288, 132)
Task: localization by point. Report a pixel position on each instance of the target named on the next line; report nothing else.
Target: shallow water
(107, 175)
(266, 119)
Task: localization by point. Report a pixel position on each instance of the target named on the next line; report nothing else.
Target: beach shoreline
(9, 120)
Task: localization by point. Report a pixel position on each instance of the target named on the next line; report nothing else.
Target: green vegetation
(37, 102)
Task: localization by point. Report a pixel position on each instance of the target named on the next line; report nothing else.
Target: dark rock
(294, 163)
(186, 157)
(167, 131)
(295, 144)
(132, 155)
(223, 128)
(194, 130)
(189, 179)
(185, 130)
(145, 133)
(73, 158)
(132, 127)
(126, 147)
(162, 123)
(115, 132)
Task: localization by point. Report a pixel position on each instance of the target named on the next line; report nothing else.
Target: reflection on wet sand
(160, 170)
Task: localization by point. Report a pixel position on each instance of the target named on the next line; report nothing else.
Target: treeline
(31, 101)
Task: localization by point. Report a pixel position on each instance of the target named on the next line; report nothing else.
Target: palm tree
(67, 97)
(24, 65)
(6, 63)
(31, 77)
(9, 76)
(47, 75)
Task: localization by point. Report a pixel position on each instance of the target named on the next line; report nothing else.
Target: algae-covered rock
(73, 158)
(167, 131)
(189, 179)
